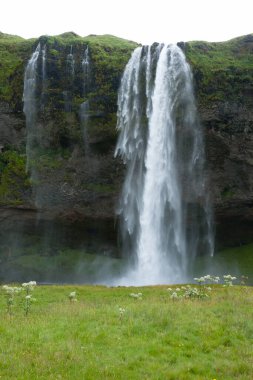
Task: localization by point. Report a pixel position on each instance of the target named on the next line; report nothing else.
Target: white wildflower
(29, 285)
(72, 296)
(122, 311)
(136, 295)
(174, 295)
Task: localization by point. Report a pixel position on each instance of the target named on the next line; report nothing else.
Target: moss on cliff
(58, 124)
(14, 183)
(109, 56)
(14, 51)
(222, 70)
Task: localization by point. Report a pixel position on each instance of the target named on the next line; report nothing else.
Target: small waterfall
(44, 78)
(30, 105)
(44, 63)
(85, 107)
(165, 217)
(71, 62)
(86, 70)
(84, 118)
(70, 74)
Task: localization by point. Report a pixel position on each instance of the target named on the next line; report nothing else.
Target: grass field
(155, 337)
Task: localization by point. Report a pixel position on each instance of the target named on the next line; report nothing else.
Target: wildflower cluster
(136, 295)
(72, 297)
(207, 279)
(121, 313)
(10, 292)
(244, 280)
(28, 287)
(189, 292)
(228, 280)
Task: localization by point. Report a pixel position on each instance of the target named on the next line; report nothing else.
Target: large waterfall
(164, 210)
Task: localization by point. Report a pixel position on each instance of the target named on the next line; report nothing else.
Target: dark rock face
(75, 190)
(21, 227)
(12, 129)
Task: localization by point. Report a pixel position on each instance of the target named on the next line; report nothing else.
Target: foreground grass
(155, 338)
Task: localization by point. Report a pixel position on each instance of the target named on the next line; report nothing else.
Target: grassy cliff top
(222, 70)
(214, 55)
(15, 52)
(207, 59)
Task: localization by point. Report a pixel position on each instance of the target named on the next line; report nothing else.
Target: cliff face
(72, 169)
(76, 178)
(223, 74)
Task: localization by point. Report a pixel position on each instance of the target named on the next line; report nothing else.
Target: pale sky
(143, 21)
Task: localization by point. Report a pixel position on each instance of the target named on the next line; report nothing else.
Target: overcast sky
(143, 21)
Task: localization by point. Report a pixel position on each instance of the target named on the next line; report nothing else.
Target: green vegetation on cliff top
(222, 70)
(15, 52)
(213, 55)
(213, 63)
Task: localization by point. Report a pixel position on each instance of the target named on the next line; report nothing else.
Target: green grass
(14, 51)
(156, 338)
(13, 177)
(222, 70)
(214, 55)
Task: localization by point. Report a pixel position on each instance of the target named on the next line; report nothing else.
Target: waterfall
(86, 70)
(44, 77)
(165, 217)
(30, 105)
(85, 107)
(70, 74)
(84, 118)
(71, 62)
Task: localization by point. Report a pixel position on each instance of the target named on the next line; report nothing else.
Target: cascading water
(86, 70)
(30, 105)
(70, 74)
(165, 216)
(44, 77)
(71, 62)
(85, 107)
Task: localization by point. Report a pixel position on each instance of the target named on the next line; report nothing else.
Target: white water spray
(30, 104)
(86, 70)
(71, 62)
(164, 209)
(44, 78)
(70, 75)
(85, 106)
